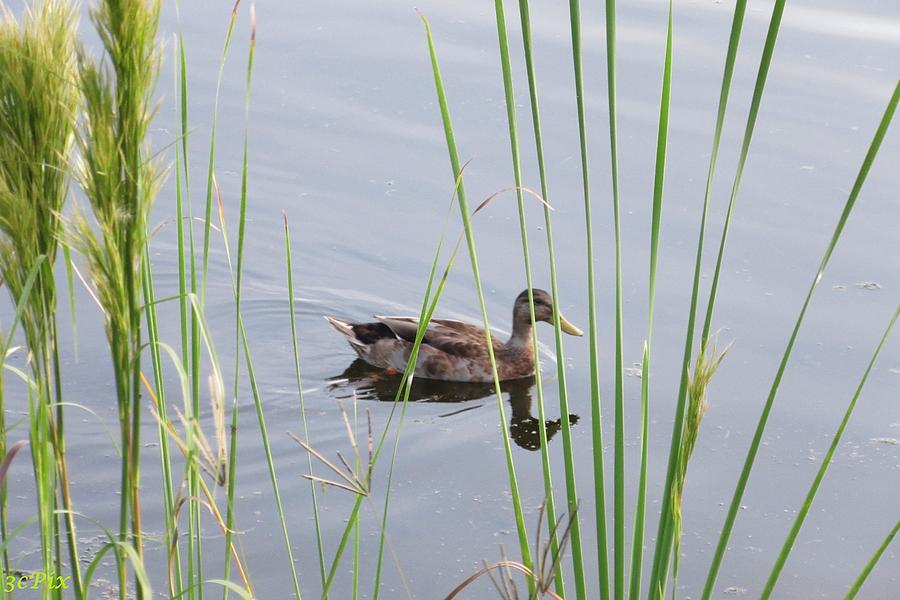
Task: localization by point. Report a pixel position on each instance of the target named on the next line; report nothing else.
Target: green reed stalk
(596, 412)
(238, 280)
(402, 395)
(212, 149)
(180, 166)
(36, 434)
(637, 544)
(182, 197)
(825, 463)
(196, 542)
(562, 389)
(320, 548)
(470, 242)
(37, 122)
(355, 594)
(120, 183)
(254, 387)
(763, 72)
(179, 75)
(190, 333)
(854, 589)
(42, 464)
(509, 96)
(619, 462)
(770, 400)
(665, 529)
(153, 343)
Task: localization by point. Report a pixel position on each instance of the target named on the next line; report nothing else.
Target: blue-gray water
(346, 140)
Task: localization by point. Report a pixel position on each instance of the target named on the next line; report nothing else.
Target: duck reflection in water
(372, 383)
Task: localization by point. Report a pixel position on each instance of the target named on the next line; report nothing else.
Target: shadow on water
(372, 383)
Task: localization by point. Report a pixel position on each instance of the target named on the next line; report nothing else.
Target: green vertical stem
(879, 552)
(204, 268)
(520, 203)
(733, 508)
(665, 529)
(568, 454)
(619, 463)
(296, 348)
(637, 547)
(823, 467)
(470, 242)
(238, 280)
(429, 304)
(163, 436)
(596, 413)
(761, 76)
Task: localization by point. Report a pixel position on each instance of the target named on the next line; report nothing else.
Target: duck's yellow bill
(568, 327)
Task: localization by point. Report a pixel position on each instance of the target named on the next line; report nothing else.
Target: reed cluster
(38, 104)
(615, 579)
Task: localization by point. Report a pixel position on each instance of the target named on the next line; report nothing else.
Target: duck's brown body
(451, 350)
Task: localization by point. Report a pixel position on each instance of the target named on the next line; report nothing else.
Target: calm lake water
(346, 140)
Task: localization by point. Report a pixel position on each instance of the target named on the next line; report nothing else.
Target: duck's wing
(447, 335)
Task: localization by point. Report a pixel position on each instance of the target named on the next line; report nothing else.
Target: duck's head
(543, 311)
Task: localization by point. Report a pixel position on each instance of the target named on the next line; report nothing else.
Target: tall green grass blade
(351, 522)
(159, 382)
(640, 508)
(406, 386)
(619, 459)
(596, 413)
(356, 561)
(470, 242)
(665, 529)
(212, 149)
(510, 101)
(204, 268)
(770, 400)
(190, 348)
(854, 589)
(23, 302)
(825, 463)
(562, 388)
(320, 548)
(238, 280)
(762, 74)
(70, 289)
(204, 264)
(637, 545)
(257, 402)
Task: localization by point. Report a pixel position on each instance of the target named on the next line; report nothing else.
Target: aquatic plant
(120, 180)
(38, 104)
(693, 387)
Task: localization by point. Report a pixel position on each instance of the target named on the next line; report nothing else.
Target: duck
(453, 350)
